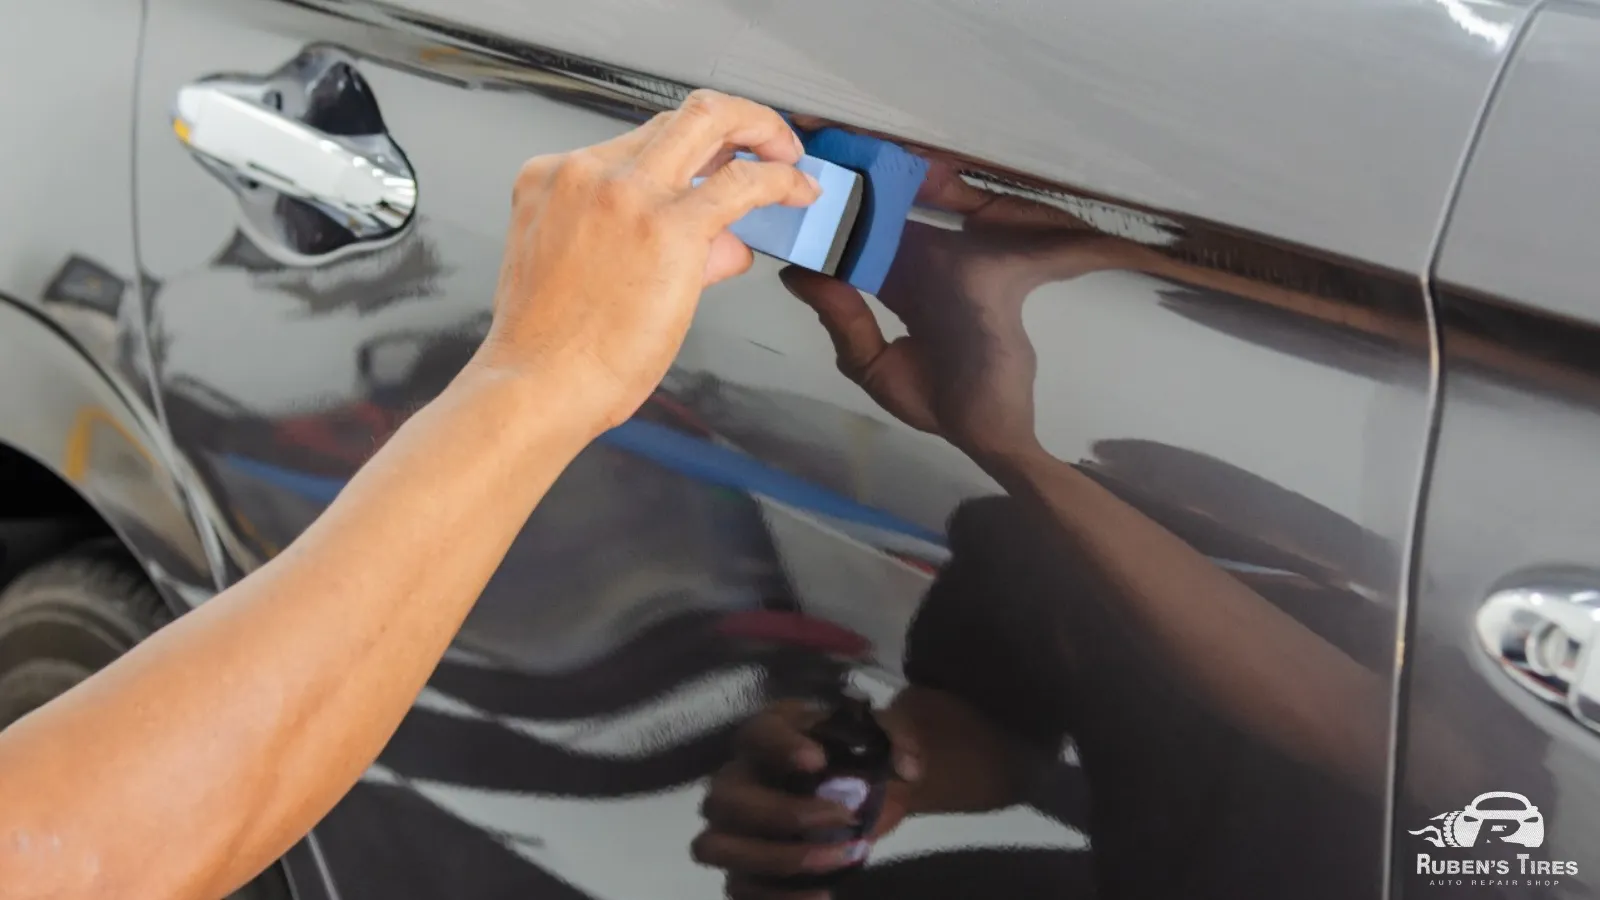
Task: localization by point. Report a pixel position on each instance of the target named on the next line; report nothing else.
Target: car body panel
(74, 336)
(66, 243)
(1347, 145)
(1512, 498)
(1521, 227)
(1264, 401)
(75, 422)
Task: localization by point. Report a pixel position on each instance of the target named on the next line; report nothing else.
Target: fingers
(758, 833)
(857, 339)
(722, 158)
(744, 184)
(738, 803)
(706, 124)
(775, 741)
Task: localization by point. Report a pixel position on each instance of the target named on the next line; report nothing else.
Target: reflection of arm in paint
(972, 733)
(965, 370)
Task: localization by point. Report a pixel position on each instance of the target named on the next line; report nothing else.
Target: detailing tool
(811, 236)
(853, 230)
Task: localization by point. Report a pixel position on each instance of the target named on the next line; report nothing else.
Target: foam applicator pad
(811, 236)
(891, 177)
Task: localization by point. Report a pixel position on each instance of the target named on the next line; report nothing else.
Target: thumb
(728, 257)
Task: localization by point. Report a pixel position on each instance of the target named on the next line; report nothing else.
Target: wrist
(544, 403)
(1022, 462)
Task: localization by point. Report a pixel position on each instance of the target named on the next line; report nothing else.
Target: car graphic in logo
(1513, 820)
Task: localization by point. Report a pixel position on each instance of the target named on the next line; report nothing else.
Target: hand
(610, 246)
(753, 829)
(965, 370)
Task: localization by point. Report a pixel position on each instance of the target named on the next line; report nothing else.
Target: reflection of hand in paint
(948, 757)
(965, 369)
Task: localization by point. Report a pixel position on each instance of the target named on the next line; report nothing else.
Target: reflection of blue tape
(319, 488)
(687, 456)
(715, 464)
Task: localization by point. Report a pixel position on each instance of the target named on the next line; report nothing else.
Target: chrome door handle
(1544, 639)
(262, 138)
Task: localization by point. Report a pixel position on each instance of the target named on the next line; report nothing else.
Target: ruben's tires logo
(1497, 815)
(1490, 822)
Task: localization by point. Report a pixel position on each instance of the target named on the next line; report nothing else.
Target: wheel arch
(61, 415)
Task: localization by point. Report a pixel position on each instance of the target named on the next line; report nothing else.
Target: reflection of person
(1202, 711)
(227, 735)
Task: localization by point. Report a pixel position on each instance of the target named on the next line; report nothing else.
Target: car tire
(71, 615)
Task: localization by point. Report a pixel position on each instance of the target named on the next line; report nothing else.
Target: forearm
(234, 730)
(1252, 662)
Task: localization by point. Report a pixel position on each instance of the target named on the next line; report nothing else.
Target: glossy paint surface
(1513, 497)
(1331, 124)
(1247, 419)
(66, 242)
(1523, 223)
(73, 356)
(78, 425)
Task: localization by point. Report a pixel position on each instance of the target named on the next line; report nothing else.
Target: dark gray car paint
(1334, 125)
(1523, 226)
(1272, 411)
(77, 368)
(73, 420)
(1512, 498)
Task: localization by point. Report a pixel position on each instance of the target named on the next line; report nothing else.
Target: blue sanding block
(854, 228)
(892, 178)
(811, 236)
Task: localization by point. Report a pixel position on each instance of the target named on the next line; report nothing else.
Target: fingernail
(815, 184)
(799, 145)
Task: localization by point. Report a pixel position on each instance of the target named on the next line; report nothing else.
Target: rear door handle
(261, 138)
(1544, 638)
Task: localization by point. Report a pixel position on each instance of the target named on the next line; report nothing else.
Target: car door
(1498, 778)
(68, 270)
(1177, 368)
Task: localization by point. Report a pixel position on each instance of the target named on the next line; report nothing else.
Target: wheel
(70, 616)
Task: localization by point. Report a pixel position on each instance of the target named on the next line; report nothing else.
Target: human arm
(228, 735)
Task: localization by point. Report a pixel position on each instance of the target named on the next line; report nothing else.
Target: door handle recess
(259, 144)
(1544, 638)
(306, 152)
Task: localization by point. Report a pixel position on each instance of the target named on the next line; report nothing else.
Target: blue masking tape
(892, 178)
